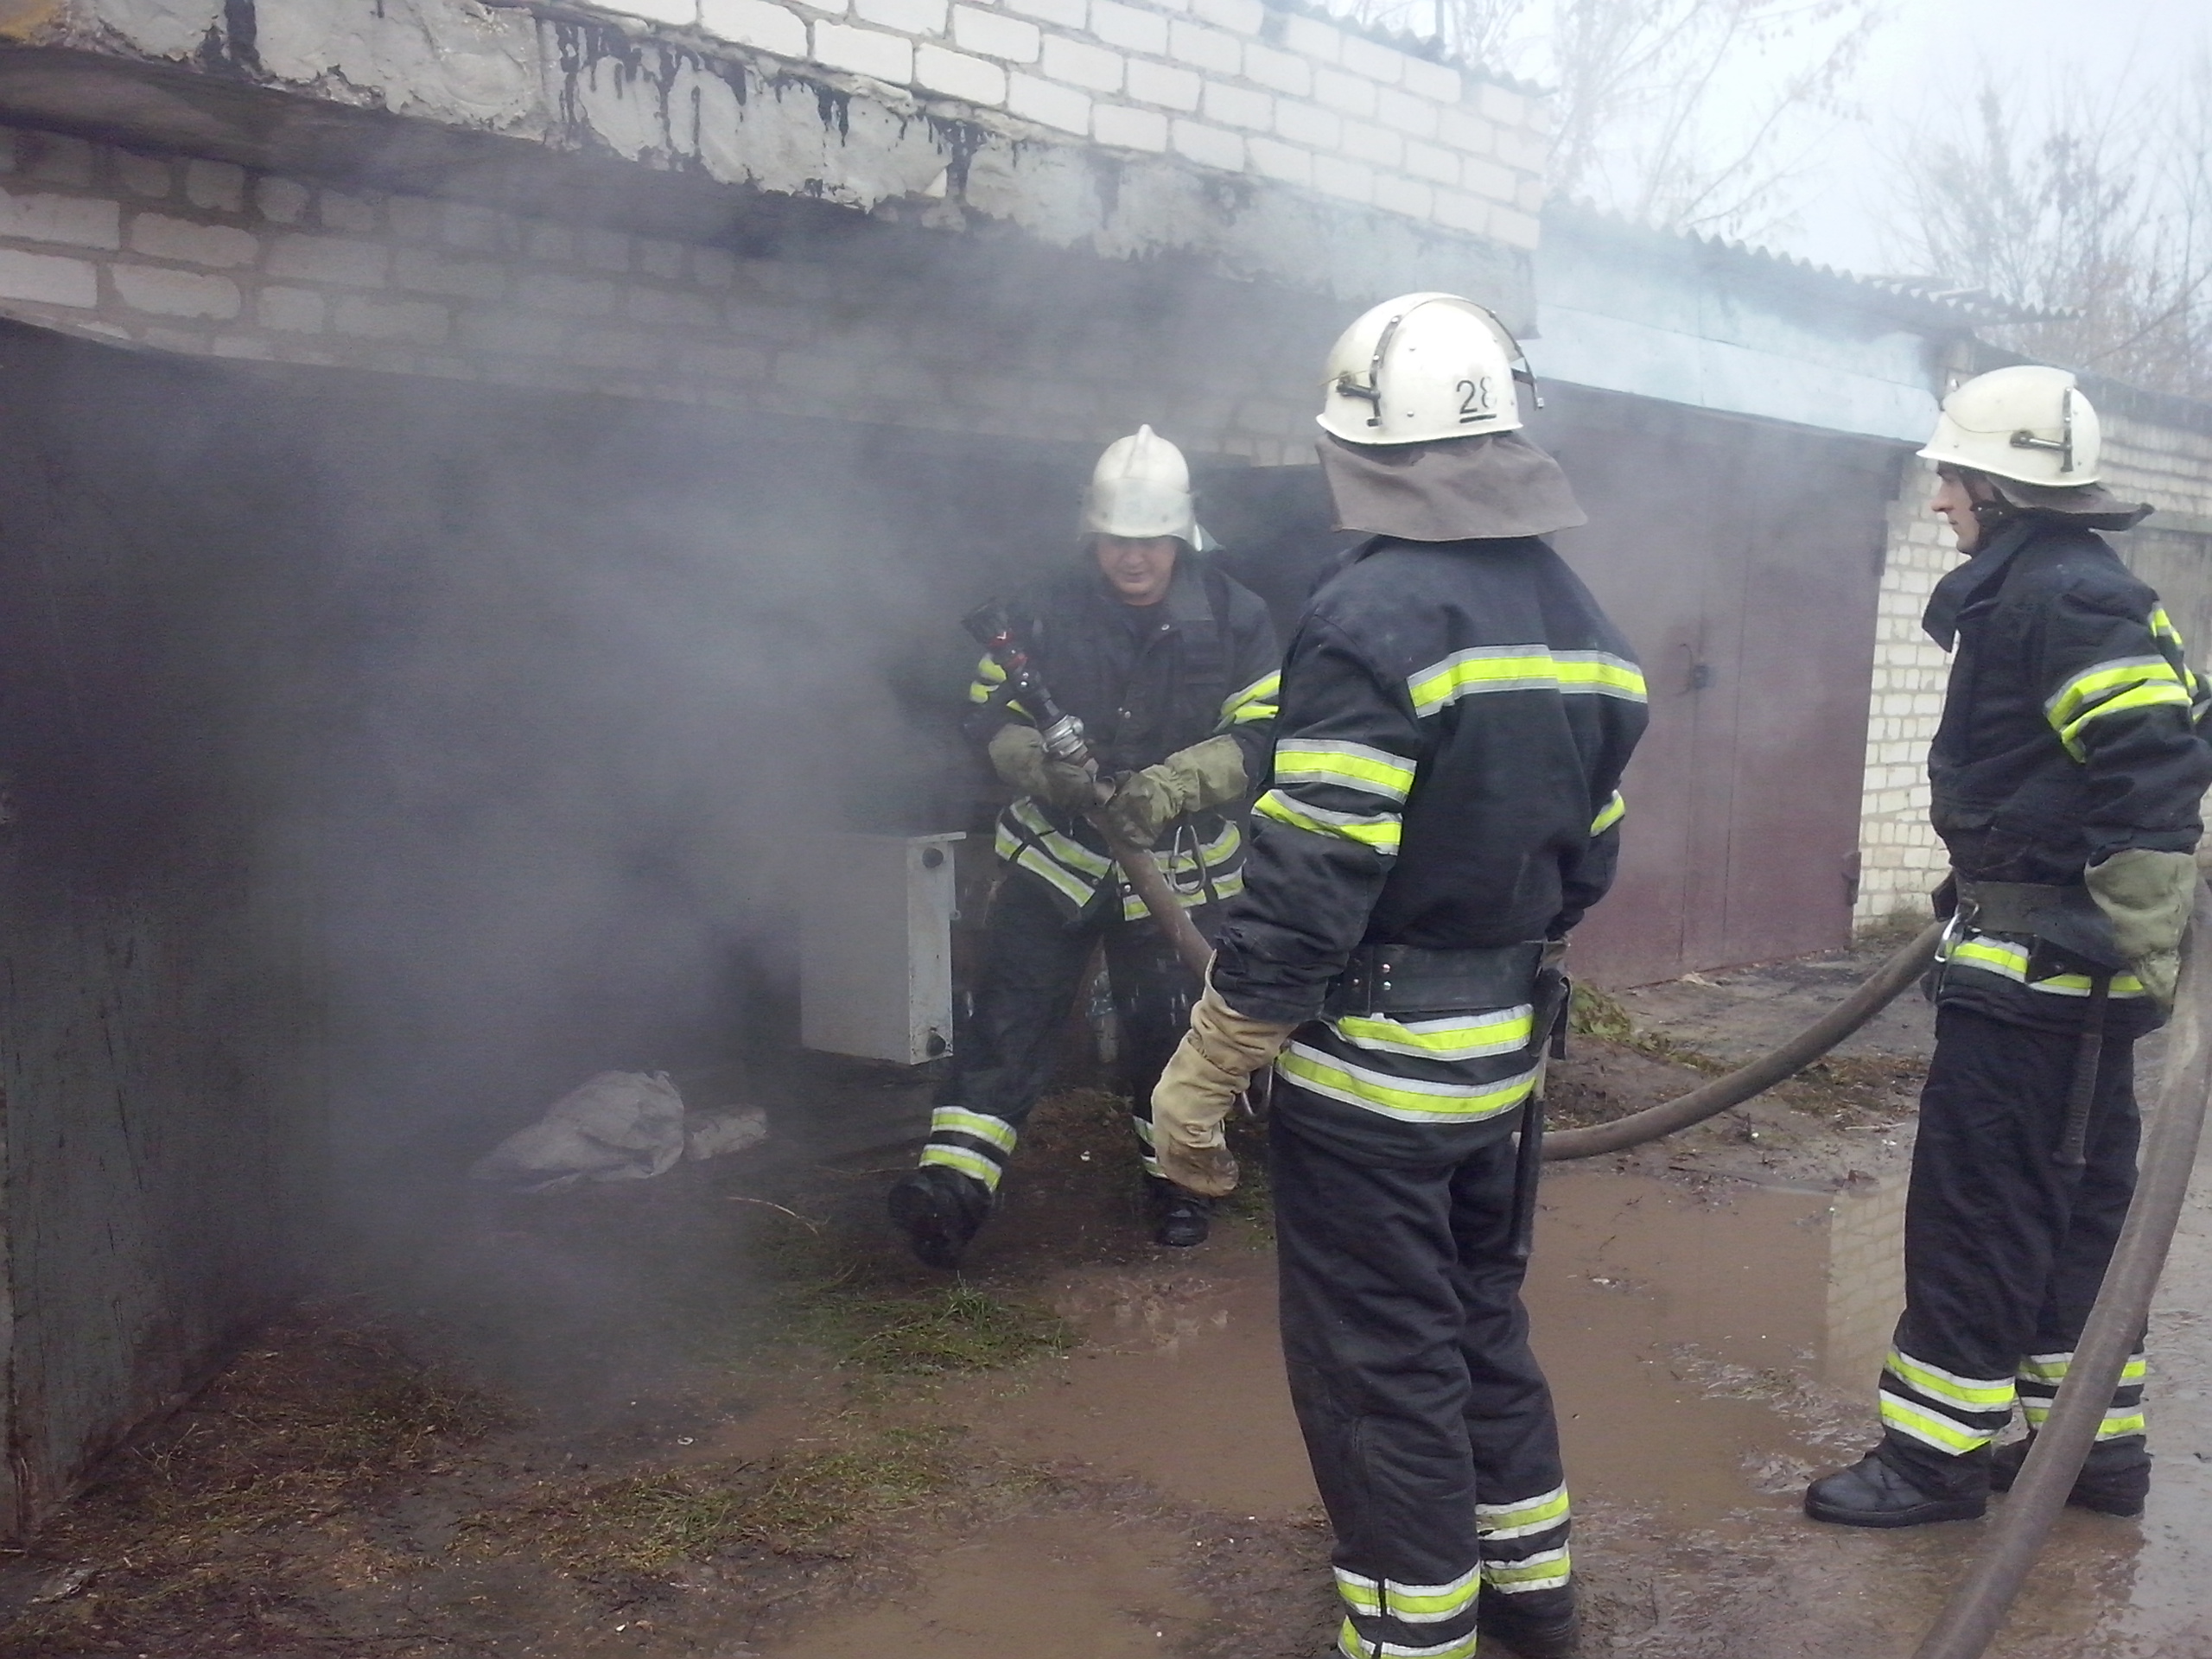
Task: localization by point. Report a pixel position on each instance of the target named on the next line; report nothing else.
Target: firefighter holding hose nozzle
(1161, 673)
(2067, 772)
(1443, 807)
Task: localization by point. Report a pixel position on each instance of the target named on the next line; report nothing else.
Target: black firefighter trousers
(1033, 958)
(2005, 1249)
(1426, 1417)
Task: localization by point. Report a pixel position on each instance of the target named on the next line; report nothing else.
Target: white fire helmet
(2029, 424)
(1421, 367)
(1141, 488)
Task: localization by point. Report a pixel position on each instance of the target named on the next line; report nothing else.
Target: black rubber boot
(1874, 1493)
(2116, 1479)
(940, 1211)
(1535, 1624)
(1180, 1217)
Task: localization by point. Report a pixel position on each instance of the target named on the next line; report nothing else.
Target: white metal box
(875, 969)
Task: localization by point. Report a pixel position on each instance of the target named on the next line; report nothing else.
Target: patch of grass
(1596, 1015)
(960, 1329)
(791, 1503)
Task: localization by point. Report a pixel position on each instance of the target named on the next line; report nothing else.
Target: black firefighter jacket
(1455, 718)
(1145, 681)
(2068, 734)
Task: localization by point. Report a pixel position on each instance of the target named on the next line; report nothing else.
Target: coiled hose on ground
(1978, 1606)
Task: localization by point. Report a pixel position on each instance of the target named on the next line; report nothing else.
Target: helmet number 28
(1477, 401)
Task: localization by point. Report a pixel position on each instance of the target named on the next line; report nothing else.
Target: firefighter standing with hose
(1170, 668)
(1443, 808)
(2067, 773)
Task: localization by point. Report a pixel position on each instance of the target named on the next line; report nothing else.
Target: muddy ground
(718, 1414)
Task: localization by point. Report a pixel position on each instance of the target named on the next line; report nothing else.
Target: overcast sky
(1933, 50)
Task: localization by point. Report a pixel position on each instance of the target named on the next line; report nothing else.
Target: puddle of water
(1063, 1585)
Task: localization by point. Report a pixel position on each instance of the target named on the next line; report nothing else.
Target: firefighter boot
(1879, 1491)
(939, 1211)
(2115, 1477)
(1534, 1624)
(1180, 1217)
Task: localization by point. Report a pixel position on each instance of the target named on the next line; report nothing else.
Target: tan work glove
(2146, 897)
(1216, 1059)
(1189, 780)
(1019, 755)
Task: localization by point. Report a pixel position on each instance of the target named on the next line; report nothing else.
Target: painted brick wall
(203, 256)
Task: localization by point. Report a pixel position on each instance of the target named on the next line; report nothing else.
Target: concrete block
(220, 187)
(1456, 211)
(573, 296)
(160, 292)
(713, 267)
(191, 243)
(864, 52)
(1273, 159)
(757, 23)
(1303, 123)
(413, 219)
(424, 323)
(1519, 148)
(1068, 14)
(658, 258)
(1489, 179)
(728, 362)
(355, 215)
(1467, 132)
(602, 249)
(1529, 193)
(1208, 146)
(996, 35)
(679, 14)
(1436, 81)
(281, 201)
(1214, 50)
(1237, 16)
(50, 158)
(957, 75)
(1079, 63)
(1350, 93)
(1280, 72)
(1351, 181)
(294, 310)
(144, 175)
(1515, 228)
(552, 245)
(78, 221)
(907, 16)
(616, 348)
(1313, 39)
(1507, 108)
(1239, 106)
(1378, 63)
(1431, 161)
(1398, 195)
(1166, 84)
(1045, 103)
(1129, 129)
(511, 332)
(1413, 116)
(1362, 143)
(310, 259)
(48, 279)
(427, 272)
(1128, 27)
(246, 346)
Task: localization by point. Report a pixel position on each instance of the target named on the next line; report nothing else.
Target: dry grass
(1596, 1015)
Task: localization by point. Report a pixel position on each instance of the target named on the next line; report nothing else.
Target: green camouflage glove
(1189, 780)
(1019, 755)
(2146, 897)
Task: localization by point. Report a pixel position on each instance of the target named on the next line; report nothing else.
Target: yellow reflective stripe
(2118, 1425)
(1380, 831)
(1256, 701)
(973, 1164)
(1992, 956)
(1502, 1521)
(1353, 1645)
(2099, 680)
(1522, 668)
(1613, 811)
(2078, 985)
(1065, 848)
(2142, 697)
(1928, 1427)
(1410, 1100)
(2051, 1368)
(1414, 1603)
(1461, 1037)
(1349, 766)
(989, 676)
(1973, 1393)
(957, 1119)
(1540, 1571)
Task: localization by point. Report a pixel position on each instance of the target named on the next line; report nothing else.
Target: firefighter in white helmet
(2066, 774)
(1443, 807)
(1171, 667)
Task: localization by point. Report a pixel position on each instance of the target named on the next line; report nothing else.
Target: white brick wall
(1245, 90)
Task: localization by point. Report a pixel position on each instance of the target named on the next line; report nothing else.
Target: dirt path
(717, 1416)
